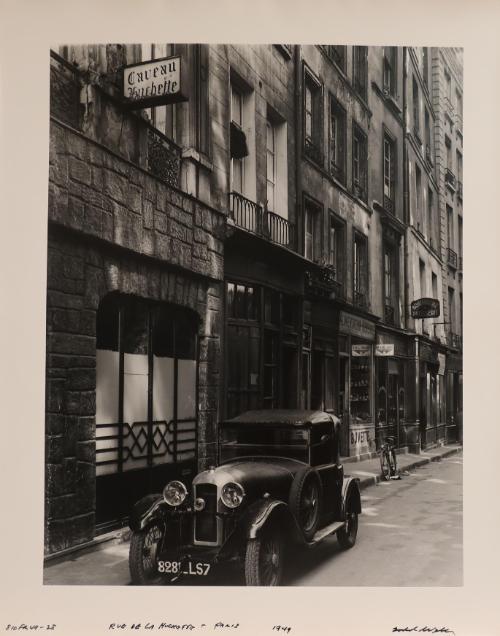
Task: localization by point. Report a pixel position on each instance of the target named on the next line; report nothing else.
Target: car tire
(264, 559)
(346, 536)
(143, 555)
(305, 501)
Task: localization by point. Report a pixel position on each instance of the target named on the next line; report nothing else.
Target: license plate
(186, 566)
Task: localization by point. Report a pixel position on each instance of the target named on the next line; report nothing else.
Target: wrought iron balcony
(361, 299)
(313, 151)
(455, 340)
(452, 258)
(164, 157)
(323, 282)
(450, 179)
(253, 217)
(388, 204)
(389, 314)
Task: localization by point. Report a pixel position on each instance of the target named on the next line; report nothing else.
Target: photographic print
(254, 315)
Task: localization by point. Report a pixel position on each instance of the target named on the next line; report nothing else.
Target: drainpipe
(298, 206)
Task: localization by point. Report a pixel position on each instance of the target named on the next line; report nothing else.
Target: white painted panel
(186, 389)
(163, 388)
(135, 363)
(107, 386)
(107, 469)
(135, 398)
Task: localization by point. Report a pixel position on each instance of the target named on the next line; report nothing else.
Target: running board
(324, 532)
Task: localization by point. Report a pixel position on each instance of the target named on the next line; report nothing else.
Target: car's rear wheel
(346, 536)
(143, 563)
(305, 501)
(264, 559)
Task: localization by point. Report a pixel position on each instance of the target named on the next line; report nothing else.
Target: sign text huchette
(153, 83)
(425, 308)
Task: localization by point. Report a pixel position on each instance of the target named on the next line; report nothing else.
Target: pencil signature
(426, 629)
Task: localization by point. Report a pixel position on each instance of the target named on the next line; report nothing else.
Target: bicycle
(388, 462)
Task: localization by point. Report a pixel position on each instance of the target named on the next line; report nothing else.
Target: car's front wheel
(264, 559)
(144, 546)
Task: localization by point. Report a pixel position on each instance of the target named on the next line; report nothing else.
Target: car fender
(350, 489)
(146, 510)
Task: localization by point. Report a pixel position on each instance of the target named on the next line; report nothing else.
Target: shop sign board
(425, 308)
(382, 350)
(360, 350)
(153, 83)
(356, 326)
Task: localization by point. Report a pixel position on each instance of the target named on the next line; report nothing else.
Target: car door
(323, 459)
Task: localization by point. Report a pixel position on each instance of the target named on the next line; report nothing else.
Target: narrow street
(410, 534)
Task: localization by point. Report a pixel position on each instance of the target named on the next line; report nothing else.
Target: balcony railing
(313, 151)
(323, 282)
(450, 179)
(163, 155)
(452, 258)
(388, 204)
(253, 217)
(360, 299)
(455, 340)
(389, 315)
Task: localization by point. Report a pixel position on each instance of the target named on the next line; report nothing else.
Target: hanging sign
(384, 350)
(153, 83)
(360, 350)
(425, 308)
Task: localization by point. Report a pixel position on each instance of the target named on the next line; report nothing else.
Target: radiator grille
(205, 525)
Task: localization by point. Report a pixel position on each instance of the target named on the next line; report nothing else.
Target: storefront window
(360, 382)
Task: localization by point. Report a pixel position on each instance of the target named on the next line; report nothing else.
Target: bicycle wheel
(385, 464)
(392, 462)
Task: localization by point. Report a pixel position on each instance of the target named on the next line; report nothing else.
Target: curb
(365, 482)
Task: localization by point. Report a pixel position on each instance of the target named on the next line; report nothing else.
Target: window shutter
(238, 142)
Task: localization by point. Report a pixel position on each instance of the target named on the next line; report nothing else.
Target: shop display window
(360, 384)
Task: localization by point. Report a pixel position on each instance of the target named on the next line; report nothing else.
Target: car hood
(258, 476)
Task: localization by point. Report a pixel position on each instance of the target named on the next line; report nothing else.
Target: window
(276, 167)
(430, 218)
(421, 269)
(360, 270)
(360, 70)
(390, 284)
(201, 97)
(425, 65)
(416, 108)
(428, 143)
(459, 104)
(418, 198)
(312, 119)
(390, 64)
(336, 239)
(359, 162)
(451, 309)
(434, 285)
(337, 140)
(449, 159)
(336, 54)
(164, 118)
(459, 165)
(238, 142)
(312, 249)
(460, 238)
(447, 78)
(389, 173)
(449, 216)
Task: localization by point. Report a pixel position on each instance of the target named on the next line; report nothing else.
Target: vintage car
(279, 481)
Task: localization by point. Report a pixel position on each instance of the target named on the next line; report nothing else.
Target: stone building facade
(257, 245)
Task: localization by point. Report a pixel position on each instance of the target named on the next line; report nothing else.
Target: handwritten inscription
(425, 629)
(181, 627)
(30, 627)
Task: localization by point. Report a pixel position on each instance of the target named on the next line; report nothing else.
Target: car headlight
(232, 494)
(175, 493)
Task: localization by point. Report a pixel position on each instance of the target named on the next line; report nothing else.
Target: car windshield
(239, 441)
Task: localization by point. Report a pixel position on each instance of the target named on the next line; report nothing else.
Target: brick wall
(112, 227)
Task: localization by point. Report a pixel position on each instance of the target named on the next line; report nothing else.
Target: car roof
(284, 417)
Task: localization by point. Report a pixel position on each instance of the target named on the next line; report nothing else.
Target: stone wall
(112, 227)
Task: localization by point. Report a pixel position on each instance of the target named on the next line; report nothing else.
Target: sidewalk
(105, 562)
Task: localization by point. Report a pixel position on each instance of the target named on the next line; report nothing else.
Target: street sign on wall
(425, 308)
(360, 350)
(382, 350)
(153, 83)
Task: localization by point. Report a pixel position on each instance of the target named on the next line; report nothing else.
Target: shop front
(432, 399)
(454, 397)
(356, 381)
(391, 371)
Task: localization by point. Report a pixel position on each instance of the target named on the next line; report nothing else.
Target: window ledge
(197, 157)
